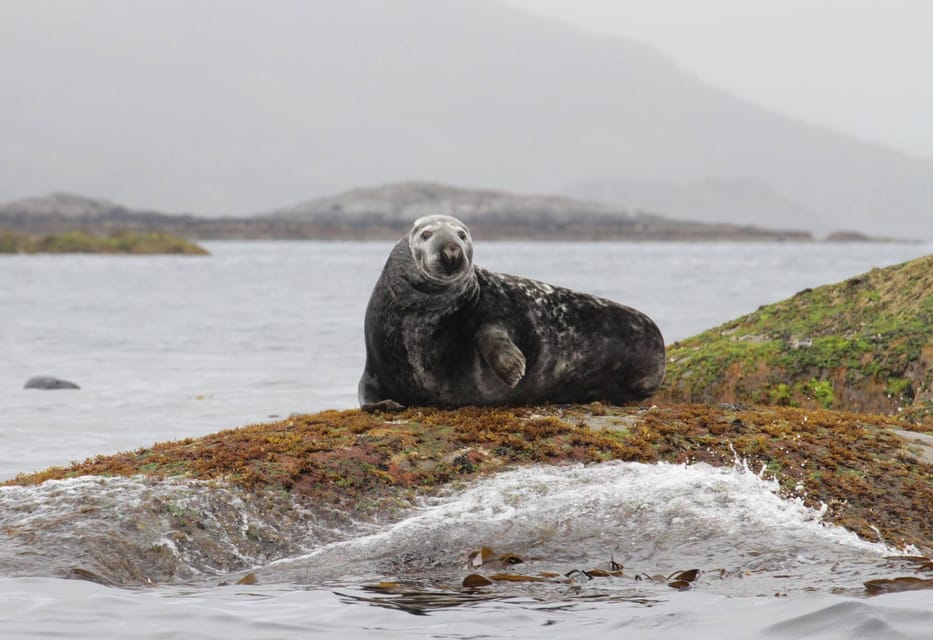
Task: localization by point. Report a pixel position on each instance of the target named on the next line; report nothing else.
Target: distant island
(385, 213)
(388, 211)
(79, 241)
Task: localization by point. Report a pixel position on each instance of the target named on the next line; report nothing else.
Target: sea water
(171, 347)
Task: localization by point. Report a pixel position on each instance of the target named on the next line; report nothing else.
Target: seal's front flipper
(383, 406)
(505, 359)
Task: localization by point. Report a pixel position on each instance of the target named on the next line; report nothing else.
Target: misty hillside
(739, 200)
(58, 212)
(390, 209)
(185, 106)
(70, 207)
(405, 202)
(383, 212)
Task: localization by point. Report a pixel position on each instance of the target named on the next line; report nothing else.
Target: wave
(653, 519)
(658, 519)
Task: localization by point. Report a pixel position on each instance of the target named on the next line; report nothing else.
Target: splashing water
(654, 519)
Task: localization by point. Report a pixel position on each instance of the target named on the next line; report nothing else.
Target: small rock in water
(49, 382)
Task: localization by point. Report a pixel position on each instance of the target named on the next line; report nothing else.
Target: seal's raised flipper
(505, 359)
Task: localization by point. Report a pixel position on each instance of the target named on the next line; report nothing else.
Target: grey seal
(441, 331)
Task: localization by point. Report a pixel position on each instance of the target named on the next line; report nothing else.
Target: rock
(113, 242)
(921, 443)
(867, 472)
(49, 382)
(864, 345)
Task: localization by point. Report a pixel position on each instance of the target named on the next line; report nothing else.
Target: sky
(862, 67)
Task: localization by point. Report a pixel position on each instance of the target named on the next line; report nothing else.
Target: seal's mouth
(444, 268)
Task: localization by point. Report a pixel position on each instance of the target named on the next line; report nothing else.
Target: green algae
(118, 242)
(865, 344)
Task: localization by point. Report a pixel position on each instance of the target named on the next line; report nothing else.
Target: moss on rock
(865, 344)
(128, 242)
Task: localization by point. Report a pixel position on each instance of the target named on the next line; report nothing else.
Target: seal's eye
(462, 234)
(426, 235)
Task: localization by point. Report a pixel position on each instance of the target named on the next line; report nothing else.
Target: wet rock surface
(49, 383)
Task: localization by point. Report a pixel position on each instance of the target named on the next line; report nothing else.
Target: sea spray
(654, 519)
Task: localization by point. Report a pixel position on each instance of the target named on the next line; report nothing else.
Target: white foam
(630, 509)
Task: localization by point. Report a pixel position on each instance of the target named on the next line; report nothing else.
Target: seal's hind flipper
(383, 406)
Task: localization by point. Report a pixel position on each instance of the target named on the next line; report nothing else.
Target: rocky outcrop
(872, 480)
(49, 382)
(865, 344)
(77, 241)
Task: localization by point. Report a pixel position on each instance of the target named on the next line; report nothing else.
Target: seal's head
(442, 248)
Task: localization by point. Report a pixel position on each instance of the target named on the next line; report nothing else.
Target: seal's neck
(409, 288)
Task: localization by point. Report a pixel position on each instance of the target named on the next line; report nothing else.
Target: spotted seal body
(441, 331)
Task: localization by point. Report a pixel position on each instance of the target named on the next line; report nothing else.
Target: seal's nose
(451, 257)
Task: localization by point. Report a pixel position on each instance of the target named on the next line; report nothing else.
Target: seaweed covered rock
(865, 344)
(861, 469)
(78, 241)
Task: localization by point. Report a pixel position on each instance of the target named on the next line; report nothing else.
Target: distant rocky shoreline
(386, 212)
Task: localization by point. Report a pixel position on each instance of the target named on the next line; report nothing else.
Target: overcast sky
(864, 67)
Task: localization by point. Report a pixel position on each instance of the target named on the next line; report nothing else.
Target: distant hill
(64, 205)
(737, 200)
(385, 212)
(61, 212)
(390, 209)
(406, 201)
(269, 105)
